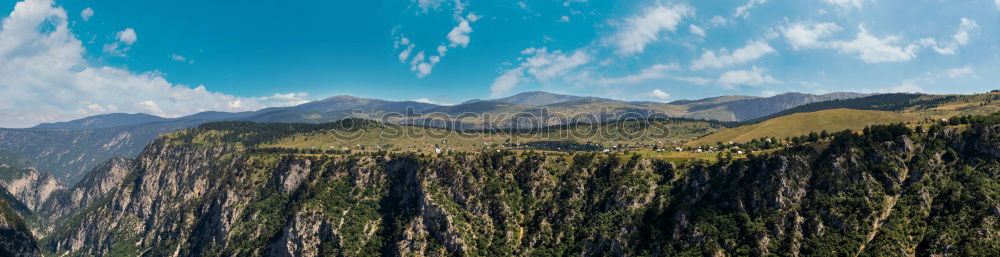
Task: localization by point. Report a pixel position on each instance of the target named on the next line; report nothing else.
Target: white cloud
(907, 86)
(428, 101)
(46, 77)
(86, 14)
(998, 4)
(718, 21)
(637, 32)
(744, 10)
(418, 58)
(768, 93)
(808, 35)
(694, 80)
(126, 36)
(285, 99)
(124, 40)
(658, 71)
(872, 49)
(545, 65)
(180, 58)
(540, 64)
(959, 39)
(962, 36)
(960, 72)
(523, 5)
(697, 31)
(429, 4)
(421, 65)
(423, 69)
(506, 82)
(869, 48)
(658, 94)
(752, 51)
(405, 54)
(846, 4)
(564, 18)
(472, 17)
(459, 36)
(754, 76)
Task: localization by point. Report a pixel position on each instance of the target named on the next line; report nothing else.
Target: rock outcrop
(887, 193)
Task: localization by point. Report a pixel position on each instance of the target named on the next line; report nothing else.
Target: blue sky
(70, 59)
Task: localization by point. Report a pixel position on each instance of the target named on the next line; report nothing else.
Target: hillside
(742, 109)
(891, 191)
(359, 135)
(799, 124)
(69, 155)
(924, 106)
(68, 150)
(15, 238)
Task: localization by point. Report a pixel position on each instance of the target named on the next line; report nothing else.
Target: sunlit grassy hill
(802, 123)
(856, 114)
(364, 135)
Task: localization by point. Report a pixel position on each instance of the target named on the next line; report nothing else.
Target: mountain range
(727, 108)
(888, 172)
(891, 190)
(67, 150)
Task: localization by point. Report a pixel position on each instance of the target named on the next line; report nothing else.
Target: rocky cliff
(889, 191)
(69, 155)
(31, 187)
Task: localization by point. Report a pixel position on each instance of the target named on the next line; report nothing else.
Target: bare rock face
(854, 197)
(291, 177)
(305, 235)
(92, 188)
(32, 188)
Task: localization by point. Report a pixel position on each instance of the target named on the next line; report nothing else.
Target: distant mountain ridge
(102, 121)
(723, 108)
(751, 108)
(67, 150)
(326, 110)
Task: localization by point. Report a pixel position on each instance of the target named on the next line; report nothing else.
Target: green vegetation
(15, 237)
(914, 105)
(358, 135)
(891, 189)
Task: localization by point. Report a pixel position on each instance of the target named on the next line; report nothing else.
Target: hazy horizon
(64, 60)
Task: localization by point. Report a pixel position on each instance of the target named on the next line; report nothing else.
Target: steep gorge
(215, 199)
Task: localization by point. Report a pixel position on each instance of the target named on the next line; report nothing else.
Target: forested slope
(892, 190)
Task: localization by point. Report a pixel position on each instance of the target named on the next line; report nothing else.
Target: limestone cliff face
(31, 187)
(94, 187)
(919, 194)
(48, 202)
